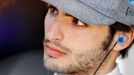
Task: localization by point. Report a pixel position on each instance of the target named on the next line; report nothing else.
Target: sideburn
(106, 43)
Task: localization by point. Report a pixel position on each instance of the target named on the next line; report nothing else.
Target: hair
(123, 28)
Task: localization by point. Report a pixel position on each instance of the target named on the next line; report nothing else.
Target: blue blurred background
(21, 26)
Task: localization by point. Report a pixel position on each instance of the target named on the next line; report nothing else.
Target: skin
(83, 45)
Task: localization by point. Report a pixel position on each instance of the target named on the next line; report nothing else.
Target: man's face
(71, 45)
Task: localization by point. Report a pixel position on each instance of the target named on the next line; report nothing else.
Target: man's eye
(81, 24)
(53, 10)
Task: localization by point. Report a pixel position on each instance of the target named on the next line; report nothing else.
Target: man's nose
(55, 33)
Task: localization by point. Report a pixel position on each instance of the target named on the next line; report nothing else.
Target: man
(84, 37)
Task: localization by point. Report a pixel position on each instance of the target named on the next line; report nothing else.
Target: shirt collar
(55, 73)
(115, 71)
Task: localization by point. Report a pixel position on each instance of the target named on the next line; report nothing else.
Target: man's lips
(53, 52)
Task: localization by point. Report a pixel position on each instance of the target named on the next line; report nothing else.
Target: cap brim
(81, 11)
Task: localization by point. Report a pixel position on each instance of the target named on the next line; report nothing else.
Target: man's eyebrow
(68, 15)
(51, 6)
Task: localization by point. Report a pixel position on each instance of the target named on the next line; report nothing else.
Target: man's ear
(123, 39)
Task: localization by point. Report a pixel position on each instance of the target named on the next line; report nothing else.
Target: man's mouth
(53, 52)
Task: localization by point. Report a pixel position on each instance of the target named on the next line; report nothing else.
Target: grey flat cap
(99, 12)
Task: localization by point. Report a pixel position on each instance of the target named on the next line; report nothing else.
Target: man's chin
(59, 69)
(53, 63)
(56, 65)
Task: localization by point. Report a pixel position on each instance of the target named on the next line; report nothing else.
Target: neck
(104, 70)
(108, 65)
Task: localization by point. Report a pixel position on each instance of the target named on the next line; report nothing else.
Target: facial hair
(84, 61)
